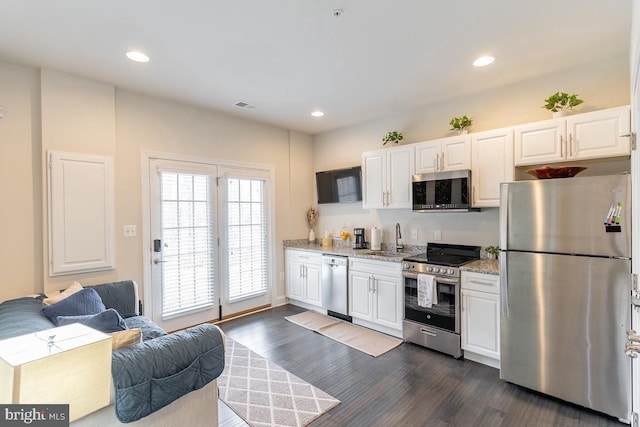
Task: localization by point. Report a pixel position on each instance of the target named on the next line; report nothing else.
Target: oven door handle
(447, 280)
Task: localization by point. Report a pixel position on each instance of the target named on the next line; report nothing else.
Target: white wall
(601, 85)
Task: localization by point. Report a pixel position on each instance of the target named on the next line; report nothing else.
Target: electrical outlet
(282, 276)
(437, 235)
(414, 233)
(130, 231)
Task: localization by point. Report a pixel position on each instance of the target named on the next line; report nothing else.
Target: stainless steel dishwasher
(334, 286)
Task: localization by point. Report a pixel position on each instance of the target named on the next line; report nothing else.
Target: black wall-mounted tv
(339, 185)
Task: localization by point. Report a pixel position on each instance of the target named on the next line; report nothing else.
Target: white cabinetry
(492, 163)
(445, 154)
(303, 276)
(376, 294)
(599, 134)
(480, 332)
(387, 178)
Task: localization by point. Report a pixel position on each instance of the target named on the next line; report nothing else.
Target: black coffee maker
(359, 242)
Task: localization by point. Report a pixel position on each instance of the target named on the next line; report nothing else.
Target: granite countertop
(486, 266)
(386, 254)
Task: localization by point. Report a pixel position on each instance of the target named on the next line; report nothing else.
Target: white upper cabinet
(445, 154)
(599, 134)
(492, 163)
(387, 178)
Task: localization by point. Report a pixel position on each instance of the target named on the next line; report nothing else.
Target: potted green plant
(461, 124)
(393, 136)
(492, 251)
(560, 103)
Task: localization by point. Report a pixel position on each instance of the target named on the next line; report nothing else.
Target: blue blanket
(153, 374)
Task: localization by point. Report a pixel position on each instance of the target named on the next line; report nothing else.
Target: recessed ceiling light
(483, 60)
(137, 56)
(317, 114)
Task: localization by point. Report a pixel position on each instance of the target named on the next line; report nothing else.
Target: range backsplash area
(466, 228)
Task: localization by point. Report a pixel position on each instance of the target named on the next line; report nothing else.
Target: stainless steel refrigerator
(565, 277)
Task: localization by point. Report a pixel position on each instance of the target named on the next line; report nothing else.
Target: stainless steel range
(432, 296)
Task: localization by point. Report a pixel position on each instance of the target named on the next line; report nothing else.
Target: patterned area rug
(264, 394)
(363, 339)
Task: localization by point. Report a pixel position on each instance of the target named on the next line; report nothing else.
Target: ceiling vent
(245, 105)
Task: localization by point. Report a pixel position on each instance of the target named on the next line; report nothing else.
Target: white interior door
(184, 262)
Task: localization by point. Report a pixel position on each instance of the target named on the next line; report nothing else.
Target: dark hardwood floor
(408, 386)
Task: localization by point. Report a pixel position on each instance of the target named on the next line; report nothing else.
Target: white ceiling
(290, 57)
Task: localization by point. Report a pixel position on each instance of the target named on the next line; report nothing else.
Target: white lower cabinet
(480, 332)
(375, 294)
(303, 276)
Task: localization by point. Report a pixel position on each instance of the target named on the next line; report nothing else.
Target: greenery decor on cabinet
(461, 123)
(393, 136)
(562, 101)
(492, 251)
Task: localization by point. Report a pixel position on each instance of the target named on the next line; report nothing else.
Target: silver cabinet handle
(158, 261)
(437, 162)
(442, 162)
(561, 145)
(570, 145)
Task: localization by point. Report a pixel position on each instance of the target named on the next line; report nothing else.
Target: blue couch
(149, 376)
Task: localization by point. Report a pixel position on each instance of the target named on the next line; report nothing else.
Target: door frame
(146, 247)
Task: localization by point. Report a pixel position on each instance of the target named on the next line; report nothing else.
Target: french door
(209, 228)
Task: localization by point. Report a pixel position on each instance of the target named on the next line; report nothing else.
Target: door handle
(158, 261)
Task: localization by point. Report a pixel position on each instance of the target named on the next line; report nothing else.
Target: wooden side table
(66, 365)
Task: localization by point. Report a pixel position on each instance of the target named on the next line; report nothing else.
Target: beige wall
(80, 115)
(20, 211)
(601, 85)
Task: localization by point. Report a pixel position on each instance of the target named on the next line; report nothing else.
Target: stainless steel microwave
(442, 192)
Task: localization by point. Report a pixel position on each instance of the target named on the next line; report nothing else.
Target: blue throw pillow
(86, 301)
(107, 321)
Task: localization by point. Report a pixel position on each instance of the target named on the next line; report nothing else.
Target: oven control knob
(450, 271)
(429, 268)
(436, 270)
(405, 266)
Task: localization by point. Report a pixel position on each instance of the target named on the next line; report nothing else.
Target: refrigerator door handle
(504, 286)
(504, 215)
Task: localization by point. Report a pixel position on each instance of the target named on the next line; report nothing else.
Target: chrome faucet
(399, 245)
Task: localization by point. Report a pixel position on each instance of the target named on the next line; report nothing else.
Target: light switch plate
(414, 233)
(130, 231)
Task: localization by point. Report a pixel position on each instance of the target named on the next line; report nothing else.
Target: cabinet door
(360, 300)
(492, 163)
(540, 142)
(373, 179)
(312, 283)
(400, 167)
(456, 153)
(388, 302)
(599, 134)
(480, 331)
(427, 157)
(294, 279)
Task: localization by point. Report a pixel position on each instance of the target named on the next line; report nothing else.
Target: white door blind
(246, 235)
(188, 274)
